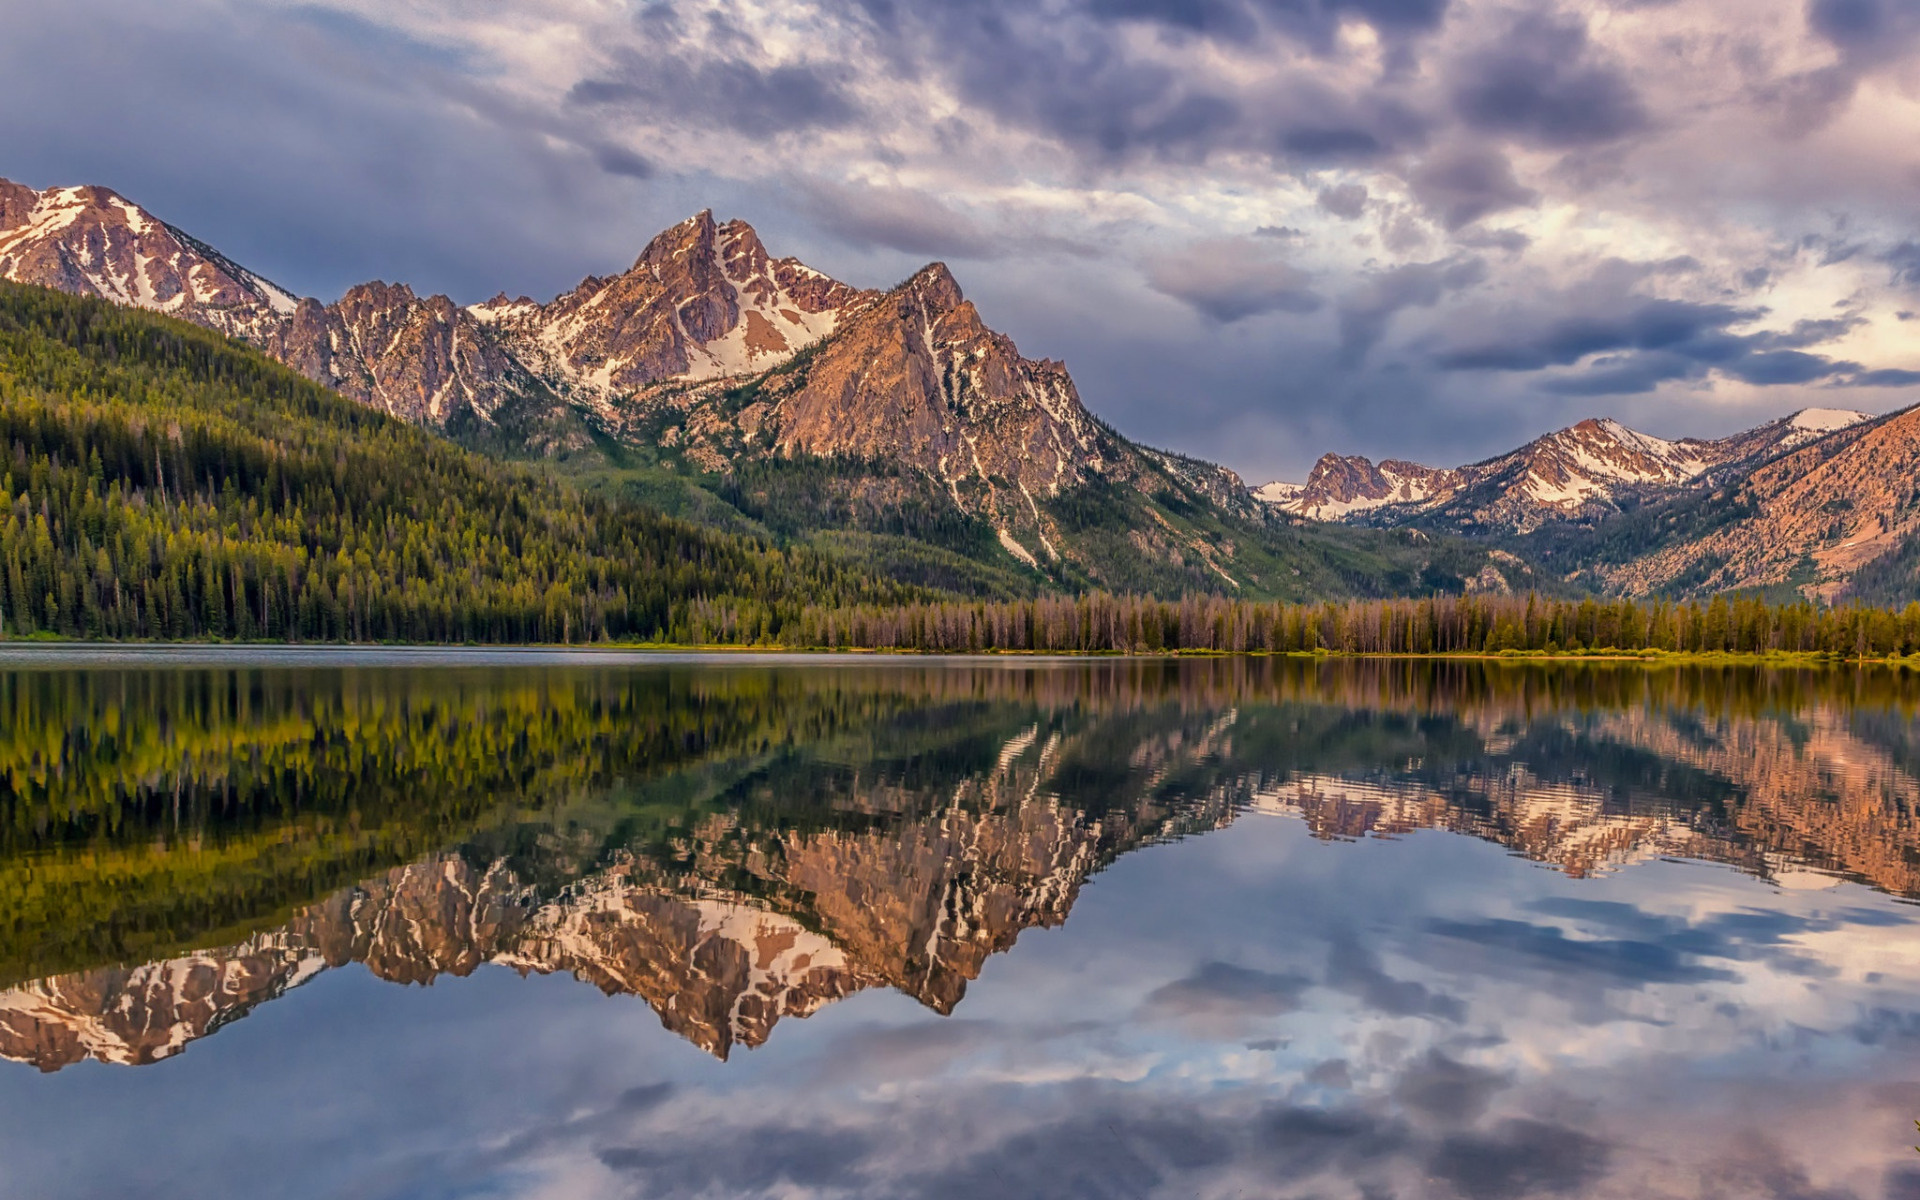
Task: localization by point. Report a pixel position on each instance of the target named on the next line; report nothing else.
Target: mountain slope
(1809, 520)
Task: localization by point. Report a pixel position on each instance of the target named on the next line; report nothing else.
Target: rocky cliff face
(423, 360)
(1583, 472)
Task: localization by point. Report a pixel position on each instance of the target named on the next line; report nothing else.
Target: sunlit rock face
(703, 301)
(1812, 517)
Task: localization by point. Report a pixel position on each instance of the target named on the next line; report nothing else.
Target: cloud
(1220, 989)
(1543, 82)
(1448, 1092)
(1355, 970)
(792, 1156)
(1346, 200)
(1608, 962)
(1461, 185)
(1520, 1158)
(897, 218)
(1626, 342)
(1231, 279)
(1366, 312)
(726, 93)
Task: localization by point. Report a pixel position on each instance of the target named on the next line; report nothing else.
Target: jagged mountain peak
(92, 241)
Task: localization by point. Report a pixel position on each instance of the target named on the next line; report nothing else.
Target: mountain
(892, 430)
(1837, 518)
(92, 242)
(1584, 473)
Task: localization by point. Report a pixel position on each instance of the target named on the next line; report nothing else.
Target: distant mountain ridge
(1582, 472)
(1823, 503)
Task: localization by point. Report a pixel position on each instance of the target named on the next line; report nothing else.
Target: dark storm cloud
(1118, 1151)
(1636, 343)
(723, 93)
(1608, 962)
(1222, 989)
(1232, 279)
(1461, 184)
(1312, 22)
(617, 160)
(1348, 200)
(1355, 970)
(1784, 366)
(1904, 259)
(1366, 312)
(1543, 82)
(898, 219)
(1625, 375)
(1868, 28)
(1637, 323)
(1082, 83)
(1886, 377)
(1447, 1091)
(1520, 1158)
(794, 1156)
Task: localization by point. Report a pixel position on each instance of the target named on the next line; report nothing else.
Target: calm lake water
(520, 925)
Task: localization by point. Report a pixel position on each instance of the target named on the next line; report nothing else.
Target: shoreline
(24, 649)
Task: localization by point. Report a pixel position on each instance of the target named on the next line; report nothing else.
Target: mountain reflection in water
(738, 844)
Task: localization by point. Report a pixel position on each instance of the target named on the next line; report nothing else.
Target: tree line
(1479, 624)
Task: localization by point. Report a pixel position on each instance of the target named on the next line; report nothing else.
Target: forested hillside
(162, 481)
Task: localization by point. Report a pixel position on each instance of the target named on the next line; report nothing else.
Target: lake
(520, 924)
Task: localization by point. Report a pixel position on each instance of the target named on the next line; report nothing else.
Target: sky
(1255, 230)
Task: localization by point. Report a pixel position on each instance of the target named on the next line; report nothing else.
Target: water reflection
(1325, 994)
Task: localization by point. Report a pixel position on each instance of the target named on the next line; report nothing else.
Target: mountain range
(1818, 503)
(896, 429)
(719, 383)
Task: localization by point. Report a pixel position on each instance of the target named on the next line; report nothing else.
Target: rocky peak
(703, 301)
(420, 359)
(93, 242)
(935, 287)
(1341, 485)
(16, 202)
